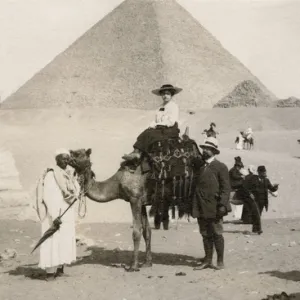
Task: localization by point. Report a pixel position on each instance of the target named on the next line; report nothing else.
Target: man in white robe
(60, 190)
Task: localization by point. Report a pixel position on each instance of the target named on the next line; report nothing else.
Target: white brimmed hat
(211, 142)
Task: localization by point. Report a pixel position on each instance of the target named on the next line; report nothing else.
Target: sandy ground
(255, 265)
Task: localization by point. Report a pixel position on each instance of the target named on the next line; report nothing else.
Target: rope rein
(82, 206)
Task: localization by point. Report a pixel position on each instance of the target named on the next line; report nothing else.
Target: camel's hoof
(132, 269)
(146, 265)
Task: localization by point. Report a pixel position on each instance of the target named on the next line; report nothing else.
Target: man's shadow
(291, 275)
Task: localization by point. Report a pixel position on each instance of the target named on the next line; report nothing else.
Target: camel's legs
(136, 209)
(147, 237)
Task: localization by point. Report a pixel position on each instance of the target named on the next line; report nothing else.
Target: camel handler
(56, 190)
(211, 202)
(164, 126)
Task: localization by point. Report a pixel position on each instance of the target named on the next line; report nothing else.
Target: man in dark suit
(258, 187)
(211, 202)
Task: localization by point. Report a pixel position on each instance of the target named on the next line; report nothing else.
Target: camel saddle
(169, 164)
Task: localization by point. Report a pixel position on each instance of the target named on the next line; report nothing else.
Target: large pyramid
(139, 46)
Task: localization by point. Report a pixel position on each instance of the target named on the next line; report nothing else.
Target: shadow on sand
(107, 257)
(111, 258)
(31, 271)
(291, 275)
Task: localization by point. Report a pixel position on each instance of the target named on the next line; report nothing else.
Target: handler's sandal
(49, 276)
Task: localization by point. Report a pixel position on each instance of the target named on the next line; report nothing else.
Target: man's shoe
(203, 266)
(220, 265)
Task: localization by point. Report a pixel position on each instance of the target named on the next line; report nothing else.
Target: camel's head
(80, 159)
(298, 141)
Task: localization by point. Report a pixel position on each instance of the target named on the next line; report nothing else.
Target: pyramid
(289, 102)
(139, 46)
(246, 94)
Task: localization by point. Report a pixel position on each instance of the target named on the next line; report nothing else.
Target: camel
(248, 143)
(127, 184)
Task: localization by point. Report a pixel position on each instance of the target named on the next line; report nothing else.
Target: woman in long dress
(165, 124)
(60, 189)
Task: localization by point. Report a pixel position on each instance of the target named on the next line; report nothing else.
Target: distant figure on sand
(164, 126)
(239, 141)
(257, 187)
(235, 175)
(211, 132)
(248, 134)
(60, 189)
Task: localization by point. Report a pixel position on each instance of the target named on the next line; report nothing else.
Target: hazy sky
(264, 35)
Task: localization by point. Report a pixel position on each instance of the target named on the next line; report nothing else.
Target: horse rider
(248, 133)
(211, 132)
(211, 202)
(165, 124)
(257, 187)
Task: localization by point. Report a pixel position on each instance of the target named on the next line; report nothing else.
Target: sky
(264, 35)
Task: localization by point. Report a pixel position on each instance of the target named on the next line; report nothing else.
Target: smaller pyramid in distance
(289, 102)
(246, 94)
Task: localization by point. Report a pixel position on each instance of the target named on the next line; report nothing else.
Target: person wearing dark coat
(235, 175)
(247, 212)
(211, 202)
(163, 127)
(257, 188)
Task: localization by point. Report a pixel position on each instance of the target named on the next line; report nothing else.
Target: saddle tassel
(174, 197)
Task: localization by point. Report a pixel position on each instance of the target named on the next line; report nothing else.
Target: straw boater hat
(212, 143)
(167, 87)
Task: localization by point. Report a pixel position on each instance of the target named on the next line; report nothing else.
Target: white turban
(62, 151)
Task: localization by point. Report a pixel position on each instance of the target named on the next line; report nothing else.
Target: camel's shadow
(107, 257)
(291, 275)
(111, 258)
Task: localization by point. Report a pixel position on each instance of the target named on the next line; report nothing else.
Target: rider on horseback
(248, 133)
(164, 126)
(211, 132)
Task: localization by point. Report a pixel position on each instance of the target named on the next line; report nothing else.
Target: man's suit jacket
(259, 189)
(220, 170)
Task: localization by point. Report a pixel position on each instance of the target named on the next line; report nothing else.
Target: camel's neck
(104, 191)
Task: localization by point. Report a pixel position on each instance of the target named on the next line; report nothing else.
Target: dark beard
(205, 156)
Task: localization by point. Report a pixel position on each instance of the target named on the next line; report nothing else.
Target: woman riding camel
(164, 126)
